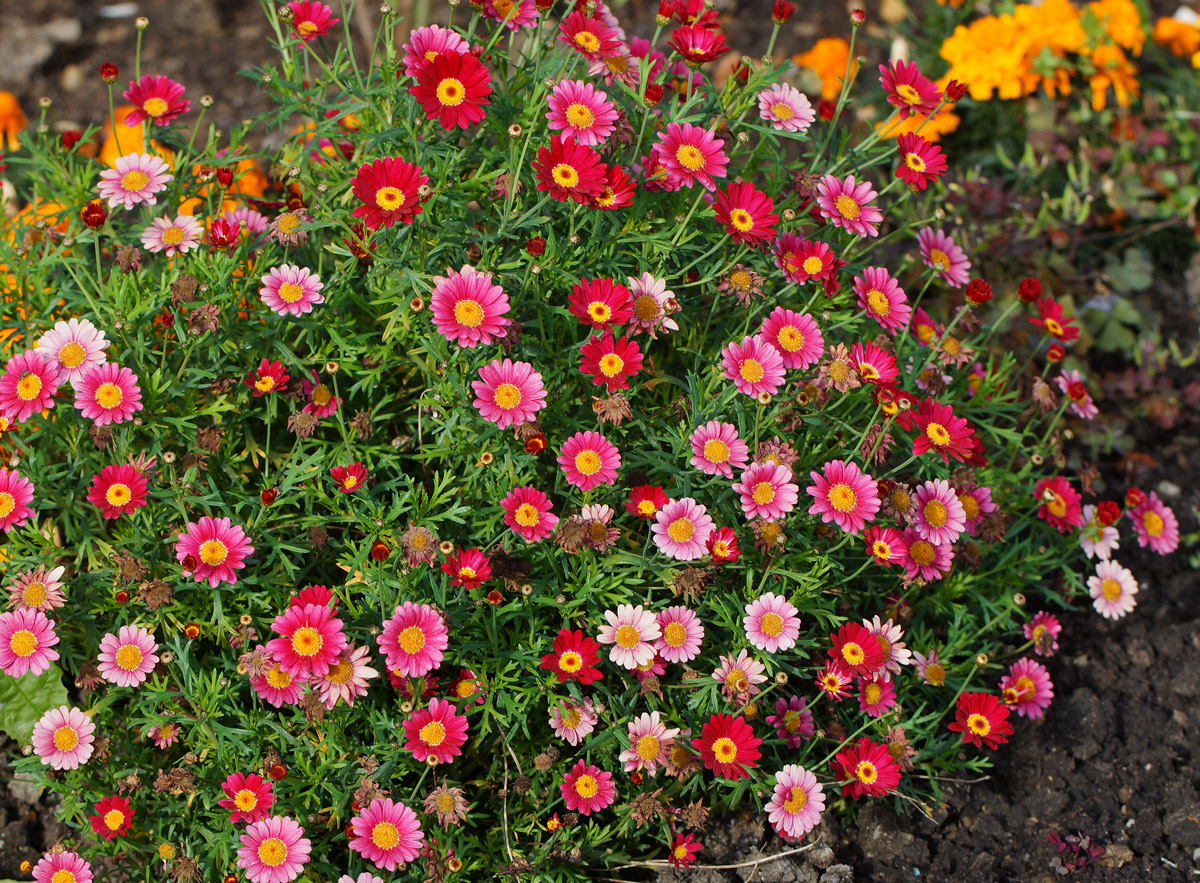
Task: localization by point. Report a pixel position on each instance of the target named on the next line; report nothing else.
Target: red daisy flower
(982, 719)
(618, 190)
(114, 817)
(698, 45)
(938, 431)
(746, 214)
(683, 851)
(722, 545)
(921, 163)
(907, 89)
(645, 500)
(568, 170)
(118, 490)
(349, 478)
(610, 362)
(1062, 505)
(453, 87)
(268, 377)
(600, 302)
(856, 649)
(868, 769)
(468, 568)
(728, 747)
(155, 98)
(803, 259)
(1050, 317)
(590, 37)
(833, 680)
(574, 658)
(389, 189)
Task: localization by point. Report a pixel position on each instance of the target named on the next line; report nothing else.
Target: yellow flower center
(586, 786)
(412, 639)
(936, 514)
(129, 657)
(690, 157)
(279, 679)
(853, 653)
(65, 738)
(939, 259)
(173, 235)
(764, 492)
(1153, 523)
(847, 207)
(951, 346)
(741, 280)
(349, 482)
(35, 594)
(791, 721)
(156, 107)
(1057, 506)
(526, 515)
(245, 800)
(771, 624)
(580, 116)
(878, 302)
(812, 265)
(570, 661)
(970, 507)
(611, 365)
(272, 852)
(865, 772)
(451, 92)
(340, 673)
(680, 852)
(839, 371)
(935, 673)
(468, 313)
(588, 462)
(134, 181)
(28, 387)
(117, 495)
(7, 503)
(307, 641)
(385, 836)
(109, 395)
(571, 717)
(389, 198)
(675, 634)
(564, 175)
(790, 338)
(873, 693)
(914, 162)
(782, 111)
(725, 750)
(287, 223)
(938, 434)
(444, 803)
(213, 552)
(72, 355)
(265, 384)
(113, 819)
(1110, 589)
(716, 451)
(290, 292)
(881, 550)
(648, 748)
(842, 497)
(1053, 327)
(751, 371)
(63, 876)
(587, 41)
(908, 94)
(797, 800)
(645, 308)
(433, 734)
(321, 395)
(979, 724)
(681, 530)
(921, 553)
(627, 637)
(741, 219)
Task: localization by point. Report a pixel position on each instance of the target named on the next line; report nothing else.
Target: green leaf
(25, 699)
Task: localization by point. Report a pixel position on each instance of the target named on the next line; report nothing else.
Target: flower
(1071, 384)
(930, 668)
(982, 720)
(310, 640)
(785, 108)
(1051, 319)
(16, 492)
(939, 430)
(610, 362)
(347, 678)
(515, 14)
(1112, 588)
(1155, 524)
(574, 658)
(740, 676)
(766, 491)
(938, 515)
(876, 697)
(74, 347)
(108, 393)
(1043, 630)
(874, 364)
(651, 304)
(37, 589)
(886, 545)
(580, 110)
(134, 179)
(722, 545)
(389, 189)
(527, 513)
(437, 732)
(896, 654)
(247, 797)
(590, 37)
(717, 450)
(856, 649)
(846, 204)
(62, 867)
(683, 851)
(291, 290)
(267, 378)
(843, 495)
(833, 680)
(753, 365)
(907, 90)
(321, 400)
(387, 833)
(311, 19)
(127, 658)
(587, 789)
(792, 720)
(413, 641)
(797, 802)
(868, 769)
(273, 850)
(448, 803)
(795, 336)
(589, 459)
(771, 623)
(941, 255)
(27, 386)
(600, 303)
(698, 44)
(921, 163)
(156, 99)
(118, 490)
(468, 568)
(572, 722)
(427, 43)
(1061, 504)
(172, 237)
(925, 560)
(63, 738)
(349, 478)
(569, 170)
(212, 549)
(509, 393)
(682, 632)
(114, 819)
(681, 529)
(453, 88)
(728, 746)
(745, 213)
(277, 686)
(632, 632)
(650, 743)
(1097, 539)
(1027, 686)
(690, 155)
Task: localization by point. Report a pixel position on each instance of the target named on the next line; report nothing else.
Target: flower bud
(1029, 290)
(93, 215)
(109, 72)
(1055, 354)
(978, 292)
(1134, 497)
(781, 11)
(858, 17)
(141, 22)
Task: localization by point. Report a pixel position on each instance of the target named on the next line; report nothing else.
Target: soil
(1117, 757)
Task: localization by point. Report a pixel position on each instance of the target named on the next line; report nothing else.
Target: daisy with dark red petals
(746, 214)
(609, 362)
(908, 90)
(114, 818)
(802, 259)
(311, 19)
(698, 45)
(349, 478)
(1061, 505)
(683, 851)
(118, 490)
(921, 163)
(569, 170)
(267, 378)
(618, 190)
(1050, 318)
(468, 568)
(574, 658)
(982, 719)
(389, 189)
(868, 770)
(728, 746)
(938, 430)
(156, 99)
(453, 89)
(600, 302)
(645, 500)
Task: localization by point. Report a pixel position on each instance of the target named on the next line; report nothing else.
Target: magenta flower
(414, 640)
(754, 366)
(1027, 686)
(847, 204)
(134, 179)
(527, 513)
(62, 867)
(127, 658)
(212, 549)
(587, 789)
(717, 450)
(650, 743)
(589, 459)
(882, 298)
(310, 641)
(681, 529)
(291, 290)
(74, 347)
(1112, 589)
(63, 738)
(682, 634)
(796, 337)
(792, 720)
(273, 850)
(468, 308)
(941, 255)
(425, 44)
(27, 386)
(631, 631)
(1156, 525)
(690, 154)
(797, 802)
(108, 394)
(248, 798)
(171, 237)
(580, 110)
(938, 516)
(786, 108)
(156, 99)
(437, 732)
(26, 639)
(16, 493)
(844, 496)
(766, 491)
(509, 393)
(924, 559)
(387, 833)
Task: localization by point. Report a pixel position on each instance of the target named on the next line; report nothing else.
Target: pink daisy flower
(740, 676)
(74, 347)
(278, 687)
(212, 549)
(771, 623)
(163, 735)
(792, 720)
(1027, 686)
(515, 14)
(172, 237)
(572, 722)
(527, 513)
(291, 290)
(907, 89)
(127, 658)
(874, 363)
(682, 632)
(690, 154)
(1097, 539)
(321, 400)
(118, 490)
(1112, 589)
(37, 589)
(785, 108)
(107, 394)
(876, 698)
(652, 304)
(1072, 386)
(347, 678)
(310, 640)
(248, 798)
(587, 789)
(27, 386)
(796, 337)
(717, 450)
(62, 867)
(976, 503)
(468, 308)
(589, 459)
(155, 99)
(632, 632)
(650, 743)
(424, 44)
(896, 654)
(311, 19)
(937, 513)
(16, 493)
(134, 179)
(946, 259)
(754, 366)
(582, 111)
(509, 393)
(803, 259)
(846, 204)
(63, 737)
(925, 560)
(26, 639)
(1156, 525)
(1061, 505)
(273, 850)
(843, 495)
(885, 544)
(681, 529)
(797, 802)
(1043, 630)
(387, 833)
(436, 732)
(881, 297)
(766, 491)
(414, 640)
